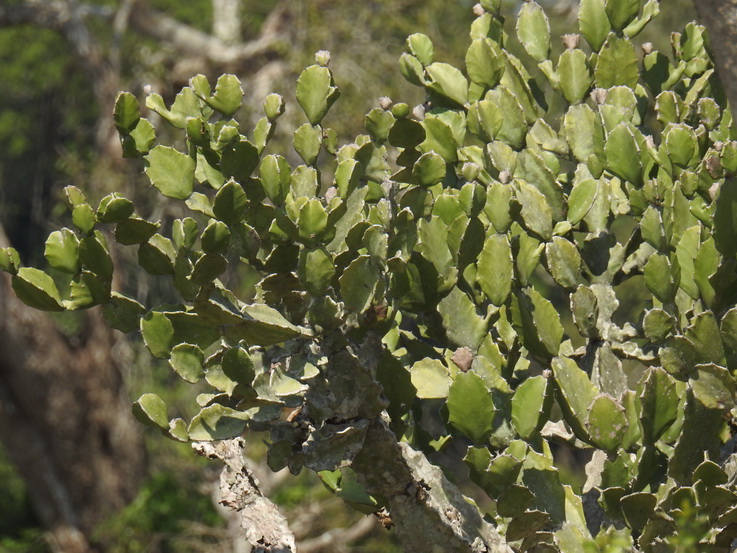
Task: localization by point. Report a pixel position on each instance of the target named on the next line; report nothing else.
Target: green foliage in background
(19, 532)
(413, 267)
(41, 110)
(159, 518)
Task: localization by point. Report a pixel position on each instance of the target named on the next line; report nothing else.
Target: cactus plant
(488, 271)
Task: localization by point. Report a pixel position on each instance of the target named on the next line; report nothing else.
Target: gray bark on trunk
(65, 421)
(720, 19)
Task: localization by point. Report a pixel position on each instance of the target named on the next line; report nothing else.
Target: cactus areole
(517, 281)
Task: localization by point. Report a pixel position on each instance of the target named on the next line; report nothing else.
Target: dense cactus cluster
(482, 273)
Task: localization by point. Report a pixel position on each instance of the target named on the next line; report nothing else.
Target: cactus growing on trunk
(476, 274)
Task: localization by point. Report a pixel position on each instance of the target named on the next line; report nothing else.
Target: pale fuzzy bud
(385, 102)
(505, 176)
(647, 48)
(331, 193)
(571, 41)
(718, 145)
(478, 10)
(322, 57)
(713, 190)
(463, 358)
(419, 112)
(148, 89)
(599, 95)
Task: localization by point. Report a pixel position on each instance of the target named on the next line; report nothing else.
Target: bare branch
(67, 539)
(4, 242)
(266, 528)
(68, 17)
(192, 42)
(226, 20)
(343, 536)
(76, 30)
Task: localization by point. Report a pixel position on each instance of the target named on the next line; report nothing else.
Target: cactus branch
(720, 18)
(266, 528)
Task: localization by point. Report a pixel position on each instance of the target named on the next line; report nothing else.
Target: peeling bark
(349, 425)
(266, 528)
(430, 513)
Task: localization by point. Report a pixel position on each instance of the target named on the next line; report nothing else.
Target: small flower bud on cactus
(273, 106)
(331, 193)
(598, 95)
(322, 57)
(571, 41)
(478, 10)
(463, 358)
(647, 48)
(385, 102)
(419, 112)
(400, 110)
(713, 190)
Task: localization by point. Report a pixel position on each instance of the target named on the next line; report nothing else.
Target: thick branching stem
(429, 511)
(266, 528)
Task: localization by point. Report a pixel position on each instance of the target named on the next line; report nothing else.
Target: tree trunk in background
(65, 418)
(226, 20)
(65, 421)
(720, 19)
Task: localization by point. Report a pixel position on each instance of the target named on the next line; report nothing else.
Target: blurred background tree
(73, 457)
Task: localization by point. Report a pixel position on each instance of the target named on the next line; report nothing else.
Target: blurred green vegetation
(692, 526)
(19, 530)
(47, 120)
(167, 506)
